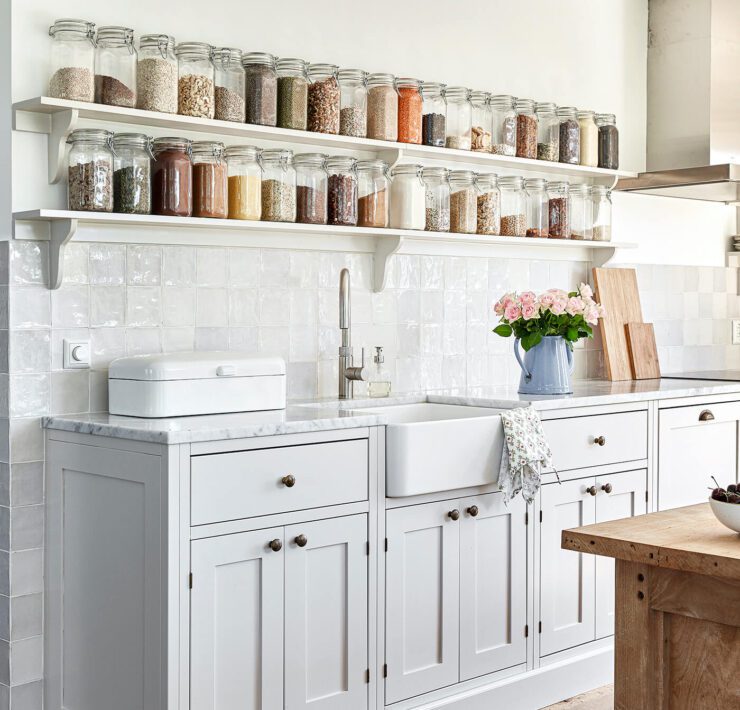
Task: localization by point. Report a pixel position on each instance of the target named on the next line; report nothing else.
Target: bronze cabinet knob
(473, 510)
(600, 440)
(301, 541)
(288, 481)
(454, 514)
(276, 545)
(706, 416)
(607, 488)
(592, 490)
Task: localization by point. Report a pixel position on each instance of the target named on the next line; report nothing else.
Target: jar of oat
(373, 188)
(459, 118)
(589, 139)
(601, 206)
(342, 195)
(210, 180)
(72, 60)
(195, 85)
(292, 93)
(558, 206)
(352, 102)
(278, 186)
(488, 203)
(526, 129)
(437, 196)
(409, 110)
(132, 173)
(608, 141)
(115, 67)
(156, 74)
(482, 117)
(463, 202)
(229, 81)
(537, 208)
(90, 170)
(172, 177)
(434, 114)
(581, 213)
(503, 129)
(570, 135)
(312, 188)
(408, 198)
(245, 182)
(513, 206)
(260, 88)
(382, 107)
(548, 132)
(323, 98)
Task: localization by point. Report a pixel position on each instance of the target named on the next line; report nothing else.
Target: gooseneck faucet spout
(348, 373)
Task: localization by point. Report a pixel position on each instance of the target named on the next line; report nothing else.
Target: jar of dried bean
(537, 208)
(488, 203)
(373, 188)
(382, 107)
(513, 206)
(90, 170)
(608, 141)
(292, 93)
(570, 135)
(229, 80)
(408, 197)
(278, 186)
(434, 114)
(195, 85)
(156, 74)
(459, 118)
(72, 60)
(245, 182)
(172, 177)
(437, 195)
(132, 173)
(548, 132)
(311, 188)
(558, 206)
(526, 129)
(352, 103)
(601, 206)
(589, 139)
(323, 98)
(463, 202)
(581, 213)
(115, 67)
(409, 110)
(210, 180)
(260, 88)
(342, 195)
(503, 129)
(482, 118)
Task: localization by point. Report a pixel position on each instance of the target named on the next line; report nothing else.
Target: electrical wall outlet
(76, 354)
(735, 331)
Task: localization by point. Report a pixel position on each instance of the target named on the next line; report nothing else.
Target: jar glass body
(132, 174)
(601, 205)
(589, 139)
(570, 136)
(115, 67)
(278, 186)
(312, 188)
(229, 85)
(408, 198)
(537, 208)
(459, 118)
(292, 94)
(482, 121)
(260, 88)
(342, 195)
(382, 107)
(548, 133)
(373, 189)
(172, 178)
(324, 99)
(156, 74)
(410, 104)
(503, 126)
(434, 114)
(463, 202)
(195, 84)
(352, 103)
(90, 171)
(437, 199)
(608, 141)
(210, 181)
(488, 205)
(72, 60)
(558, 205)
(513, 207)
(526, 129)
(581, 213)
(245, 182)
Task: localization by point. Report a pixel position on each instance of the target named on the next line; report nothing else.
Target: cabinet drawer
(249, 483)
(575, 442)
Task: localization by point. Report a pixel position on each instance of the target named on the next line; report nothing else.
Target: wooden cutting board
(643, 351)
(616, 290)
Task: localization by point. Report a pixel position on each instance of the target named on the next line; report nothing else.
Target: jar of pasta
(481, 129)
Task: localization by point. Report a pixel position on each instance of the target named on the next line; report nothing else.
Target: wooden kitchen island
(677, 636)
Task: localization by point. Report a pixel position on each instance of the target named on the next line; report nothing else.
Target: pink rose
(529, 311)
(498, 308)
(575, 306)
(512, 312)
(585, 291)
(527, 297)
(591, 315)
(557, 307)
(546, 300)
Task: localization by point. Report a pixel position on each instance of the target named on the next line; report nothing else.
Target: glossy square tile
(107, 264)
(143, 265)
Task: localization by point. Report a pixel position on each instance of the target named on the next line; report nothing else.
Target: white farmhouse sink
(439, 447)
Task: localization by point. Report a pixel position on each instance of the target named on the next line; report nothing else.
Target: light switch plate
(735, 331)
(76, 354)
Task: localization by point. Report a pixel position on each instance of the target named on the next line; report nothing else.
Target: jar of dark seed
(437, 197)
(463, 202)
(537, 208)
(90, 170)
(311, 188)
(260, 88)
(503, 130)
(608, 141)
(488, 204)
(581, 213)
(278, 186)
(172, 177)
(342, 195)
(558, 206)
(481, 130)
(115, 67)
(196, 80)
(292, 93)
(229, 82)
(434, 114)
(513, 206)
(245, 182)
(132, 173)
(323, 98)
(526, 129)
(352, 102)
(409, 110)
(210, 180)
(156, 74)
(548, 132)
(373, 190)
(382, 107)
(601, 205)
(570, 135)
(459, 118)
(72, 60)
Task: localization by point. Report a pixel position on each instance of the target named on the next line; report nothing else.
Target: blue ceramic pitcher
(547, 367)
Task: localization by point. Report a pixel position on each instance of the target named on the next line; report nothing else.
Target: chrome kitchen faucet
(348, 373)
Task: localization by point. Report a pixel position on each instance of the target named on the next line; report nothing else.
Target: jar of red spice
(409, 110)
(526, 129)
(210, 180)
(172, 177)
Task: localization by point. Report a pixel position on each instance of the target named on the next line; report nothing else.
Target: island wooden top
(689, 539)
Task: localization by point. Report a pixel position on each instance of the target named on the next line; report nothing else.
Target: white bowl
(727, 513)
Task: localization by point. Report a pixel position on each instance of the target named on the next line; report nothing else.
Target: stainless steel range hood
(715, 183)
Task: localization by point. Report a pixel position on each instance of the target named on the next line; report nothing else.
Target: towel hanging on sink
(526, 452)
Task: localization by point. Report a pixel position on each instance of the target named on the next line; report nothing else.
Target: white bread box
(192, 383)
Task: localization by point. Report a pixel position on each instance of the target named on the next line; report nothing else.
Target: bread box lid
(194, 366)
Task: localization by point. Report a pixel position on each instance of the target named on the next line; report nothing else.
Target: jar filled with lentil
(278, 186)
(526, 129)
(90, 170)
(115, 67)
(608, 141)
(488, 204)
(408, 198)
(342, 195)
(323, 98)
(260, 88)
(513, 206)
(537, 208)
(463, 202)
(229, 81)
(245, 182)
(373, 188)
(482, 121)
(311, 188)
(132, 173)
(409, 110)
(210, 180)
(503, 126)
(459, 118)
(382, 107)
(172, 177)
(196, 77)
(548, 132)
(581, 213)
(437, 196)
(589, 139)
(156, 74)
(72, 60)
(352, 103)
(570, 135)
(434, 114)
(558, 207)
(601, 206)
(292, 93)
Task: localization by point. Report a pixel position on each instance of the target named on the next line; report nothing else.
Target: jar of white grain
(408, 198)
(156, 74)
(589, 139)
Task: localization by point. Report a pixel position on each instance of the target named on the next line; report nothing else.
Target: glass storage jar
(292, 93)
(570, 136)
(132, 173)
(195, 84)
(72, 60)
(312, 188)
(537, 207)
(459, 118)
(408, 197)
(601, 206)
(434, 114)
(437, 199)
(382, 107)
(229, 83)
(608, 141)
(172, 177)
(245, 182)
(156, 74)
(324, 98)
(589, 139)
(558, 207)
(210, 180)
(526, 129)
(278, 186)
(581, 213)
(482, 121)
(409, 110)
(260, 88)
(373, 187)
(548, 132)
(513, 206)
(352, 103)
(115, 67)
(503, 125)
(463, 202)
(488, 204)
(342, 195)
(90, 170)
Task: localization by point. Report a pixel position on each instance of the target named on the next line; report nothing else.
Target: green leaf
(572, 334)
(504, 330)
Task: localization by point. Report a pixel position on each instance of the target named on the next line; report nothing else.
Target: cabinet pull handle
(454, 514)
(276, 545)
(600, 440)
(301, 541)
(288, 481)
(592, 490)
(706, 416)
(607, 488)
(473, 510)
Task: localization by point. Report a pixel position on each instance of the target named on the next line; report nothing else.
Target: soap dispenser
(379, 381)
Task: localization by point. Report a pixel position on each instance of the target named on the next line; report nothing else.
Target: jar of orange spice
(409, 110)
